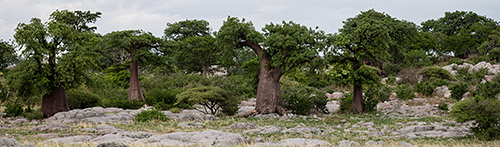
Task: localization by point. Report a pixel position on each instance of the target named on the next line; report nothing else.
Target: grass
(333, 134)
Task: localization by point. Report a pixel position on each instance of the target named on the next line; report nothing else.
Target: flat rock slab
(297, 142)
(51, 127)
(72, 139)
(9, 142)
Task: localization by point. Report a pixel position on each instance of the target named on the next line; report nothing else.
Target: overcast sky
(152, 15)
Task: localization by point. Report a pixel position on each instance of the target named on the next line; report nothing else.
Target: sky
(153, 15)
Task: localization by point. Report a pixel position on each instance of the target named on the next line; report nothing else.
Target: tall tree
(195, 50)
(57, 55)
(366, 37)
(464, 31)
(280, 48)
(139, 45)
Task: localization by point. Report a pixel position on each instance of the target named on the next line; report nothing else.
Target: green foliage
(34, 114)
(150, 115)
(443, 106)
(391, 69)
(435, 72)
(240, 86)
(485, 113)
(339, 73)
(14, 108)
(488, 89)
(301, 99)
(119, 74)
(416, 58)
(212, 98)
(405, 91)
(80, 99)
(366, 75)
(162, 99)
(123, 103)
(7, 54)
(427, 87)
(105, 88)
(175, 81)
(458, 90)
(374, 95)
(188, 28)
(346, 103)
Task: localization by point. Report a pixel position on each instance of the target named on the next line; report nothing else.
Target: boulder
(112, 144)
(442, 91)
(334, 95)
(347, 143)
(333, 106)
(374, 143)
(243, 126)
(72, 139)
(8, 142)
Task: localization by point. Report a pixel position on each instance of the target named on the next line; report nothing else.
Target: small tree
(213, 99)
(138, 44)
(7, 55)
(280, 48)
(56, 56)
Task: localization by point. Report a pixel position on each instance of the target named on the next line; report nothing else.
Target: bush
(78, 99)
(391, 69)
(427, 87)
(162, 99)
(458, 90)
(212, 98)
(405, 91)
(346, 103)
(149, 115)
(485, 114)
(241, 86)
(34, 114)
(13, 109)
(435, 72)
(443, 106)
(122, 103)
(410, 75)
(302, 99)
(494, 55)
(488, 89)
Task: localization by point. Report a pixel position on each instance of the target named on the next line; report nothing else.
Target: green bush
(458, 90)
(149, 115)
(405, 91)
(435, 72)
(443, 106)
(79, 99)
(494, 55)
(122, 103)
(373, 95)
(427, 87)
(409, 75)
(346, 103)
(488, 89)
(416, 58)
(212, 98)
(301, 99)
(241, 86)
(162, 99)
(34, 114)
(485, 114)
(391, 69)
(13, 109)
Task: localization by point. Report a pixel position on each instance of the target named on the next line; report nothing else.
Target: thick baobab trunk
(134, 92)
(268, 90)
(357, 97)
(54, 102)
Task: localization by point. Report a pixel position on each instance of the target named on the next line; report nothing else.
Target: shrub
(302, 99)
(427, 87)
(78, 99)
(494, 55)
(435, 72)
(162, 99)
(346, 103)
(34, 114)
(241, 86)
(410, 75)
(443, 106)
(488, 89)
(405, 91)
(485, 114)
(212, 98)
(149, 115)
(391, 69)
(122, 103)
(13, 109)
(458, 90)
(374, 95)
(416, 58)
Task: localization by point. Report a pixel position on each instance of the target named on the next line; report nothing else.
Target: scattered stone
(112, 144)
(302, 129)
(264, 130)
(374, 143)
(406, 144)
(51, 127)
(303, 142)
(333, 106)
(243, 126)
(442, 91)
(8, 142)
(205, 138)
(189, 115)
(268, 116)
(20, 121)
(347, 143)
(334, 95)
(72, 139)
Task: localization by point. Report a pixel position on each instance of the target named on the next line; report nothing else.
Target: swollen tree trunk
(54, 102)
(357, 97)
(134, 92)
(268, 90)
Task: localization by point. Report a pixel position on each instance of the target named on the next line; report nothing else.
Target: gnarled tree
(280, 48)
(56, 56)
(138, 44)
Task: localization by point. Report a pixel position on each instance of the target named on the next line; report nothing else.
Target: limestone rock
(51, 127)
(442, 91)
(347, 143)
(243, 126)
(8, 142)
(112, 144)
(72, 139)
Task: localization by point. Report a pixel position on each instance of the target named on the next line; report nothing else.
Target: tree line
(64, 51)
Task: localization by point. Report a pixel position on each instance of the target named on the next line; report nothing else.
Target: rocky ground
(397, 123)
